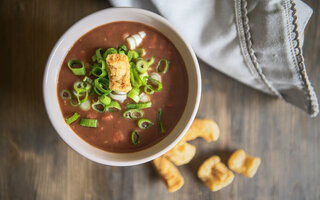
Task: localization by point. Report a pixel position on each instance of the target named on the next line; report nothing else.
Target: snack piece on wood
(215, 174)
(181, 154)
(118, 72)
(205, 128)
(169, 173)
(243, 163)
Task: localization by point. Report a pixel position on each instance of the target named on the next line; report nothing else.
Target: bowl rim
(188, 124)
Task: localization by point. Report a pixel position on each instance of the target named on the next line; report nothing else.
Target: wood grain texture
(36, 164)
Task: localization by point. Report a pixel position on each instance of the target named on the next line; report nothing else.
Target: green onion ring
(85, 106)
(148, 90)
(134, 76)
(132, 55)
(134, 94)
(102, 62)
(142, 66)
(79, 92)
(150, 60)
(63, 92)
(79, 85)
(95, 106)
(160, 121)
(158, 83)
(87, 79)
(123, 47)
(145, 123)
(135, 137)
(105, 99)
(73, 118)
(133, 114)
(94, 58)
(109, 51)
(113, 106)
(141, 51)
(88, 122)
(122, 52)
(98, 72)
(139, 105)
(77, 71)
(166, 67)
(96, 90)
(98, 54)
(74, 102)
(102, 85)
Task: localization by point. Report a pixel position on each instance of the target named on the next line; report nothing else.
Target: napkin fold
(257, 42)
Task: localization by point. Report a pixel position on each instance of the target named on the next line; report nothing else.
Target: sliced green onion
(105, 99)
(134, 94)
(89, 122)
(109, 51)
(148, 90)
(113, 106)
(155, 82)
(135, 137)
(133, 114)
(87, 79)
(165, 67)
(80, 93)
(65, 94)
(144, 123)
(143, 75)
(141, 52)
(102, 62)
(142, 66)
(123, 47)
(98, 54)
(85, 106)
(132, 55)
(134, 76)
(73, 118)
(150, 61)
(74, 102)
(102, 85)
(160, 121)
(98, 106)
(79, 85)
(94, 58)
(98, 72)
(96, 90)
(139, 105)
(77, 71)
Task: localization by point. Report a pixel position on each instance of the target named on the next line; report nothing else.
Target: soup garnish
(106, 68)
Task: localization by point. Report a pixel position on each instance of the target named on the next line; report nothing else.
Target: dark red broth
(113, 132)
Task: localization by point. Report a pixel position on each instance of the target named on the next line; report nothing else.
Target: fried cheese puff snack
(205, 128)
(119, 72)
(215, 174)
(169, 173)
(243, 163)
(181, 154)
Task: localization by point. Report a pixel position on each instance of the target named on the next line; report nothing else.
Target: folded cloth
(257, 42)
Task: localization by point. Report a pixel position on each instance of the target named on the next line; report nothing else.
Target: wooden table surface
(36, 164)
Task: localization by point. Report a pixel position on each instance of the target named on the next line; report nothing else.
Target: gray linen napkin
(258, 42)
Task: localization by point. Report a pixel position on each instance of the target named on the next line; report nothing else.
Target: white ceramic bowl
(66, 42)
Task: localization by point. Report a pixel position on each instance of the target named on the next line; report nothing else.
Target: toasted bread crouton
(119, 72)
(169, 173)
